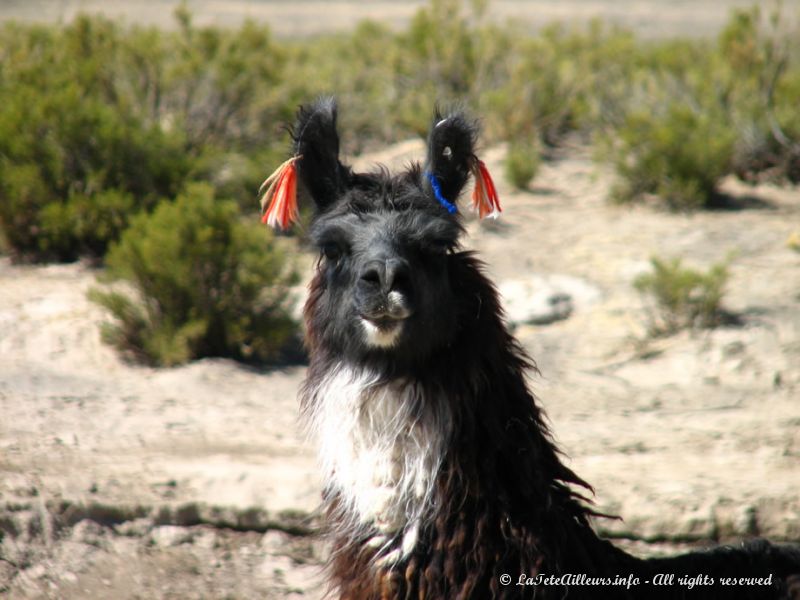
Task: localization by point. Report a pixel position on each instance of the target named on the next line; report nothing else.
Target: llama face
(385, 280)
(384, 291)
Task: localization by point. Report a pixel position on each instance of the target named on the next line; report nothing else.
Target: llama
(441, 477)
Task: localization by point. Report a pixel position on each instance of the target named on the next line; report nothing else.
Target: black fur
(451, 143)
(504, 501)
(317, 142)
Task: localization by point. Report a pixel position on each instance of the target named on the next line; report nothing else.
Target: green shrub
(683, 296)
(793, 242)
(680, 156)
(205, 283)
(562, 81)
(84, 224)
(99, 122)
(758, 66)
(522, 163)
(76, 159)
(358, 68)
(697, 111)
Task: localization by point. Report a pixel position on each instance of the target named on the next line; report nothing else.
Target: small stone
(540, 300)
(165, 536)
(134, 528)
(69, 577)
(88, 532)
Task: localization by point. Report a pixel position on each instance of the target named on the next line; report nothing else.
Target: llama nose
(388, 275)
(397, 274)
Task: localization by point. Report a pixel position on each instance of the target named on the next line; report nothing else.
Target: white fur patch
(386, 338)
(381, 447)
(374, 336)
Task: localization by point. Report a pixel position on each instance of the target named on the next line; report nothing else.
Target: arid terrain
(119, 481)
(125, 482)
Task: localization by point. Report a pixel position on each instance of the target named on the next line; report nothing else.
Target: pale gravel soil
(118, 481)
(648, 18)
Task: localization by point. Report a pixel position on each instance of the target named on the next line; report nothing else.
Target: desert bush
(448, 54)
(388, 80)
(74, 164)
(219, 85)
(793, 242)
(758, 62)
(522, 162)
(99, 122)
(679, 156)
(672, 141)
(699, 112)
(76, 161)
(562, 81)
(358, 68)
(683, 297)
(202, 283)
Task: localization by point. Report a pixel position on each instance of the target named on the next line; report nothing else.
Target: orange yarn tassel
(484, 196)
(279, 202)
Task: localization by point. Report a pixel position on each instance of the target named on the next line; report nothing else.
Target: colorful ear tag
(437, 192)
(279, 202)
(484, 196)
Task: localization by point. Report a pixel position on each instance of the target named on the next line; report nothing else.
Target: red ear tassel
(484, 196)
(279, 202)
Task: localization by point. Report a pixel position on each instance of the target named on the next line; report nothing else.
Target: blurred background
(649, 18)
(647, 155)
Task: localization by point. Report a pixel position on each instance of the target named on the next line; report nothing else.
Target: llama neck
(381, 445)
(408, 450)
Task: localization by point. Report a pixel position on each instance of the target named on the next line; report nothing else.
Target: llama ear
(451, 144)
(316, 145)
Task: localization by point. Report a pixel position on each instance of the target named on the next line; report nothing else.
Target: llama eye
(439, 247)
(332, 252)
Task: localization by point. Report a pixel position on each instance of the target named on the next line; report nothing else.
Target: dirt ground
(649, 18)
(125, 482)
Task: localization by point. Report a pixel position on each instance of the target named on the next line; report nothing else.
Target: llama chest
(381, 447)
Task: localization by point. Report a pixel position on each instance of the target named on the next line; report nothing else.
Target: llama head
(384, 290)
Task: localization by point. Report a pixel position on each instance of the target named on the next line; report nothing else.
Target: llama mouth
(383, 324)
(381, 332)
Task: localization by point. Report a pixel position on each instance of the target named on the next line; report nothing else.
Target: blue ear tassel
(437, 191)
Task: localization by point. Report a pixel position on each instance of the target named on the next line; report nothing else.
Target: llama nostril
(387, 275)
(373, 274)
(398, 274)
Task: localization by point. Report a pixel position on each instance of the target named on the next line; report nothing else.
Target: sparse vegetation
(100, 123)
(703, 113)
(794, 241)
(678, 157)
(204, 283)
(683, 297)
(521, 163)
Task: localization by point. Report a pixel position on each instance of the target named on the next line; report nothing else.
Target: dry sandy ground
(119, 481)
(649, 18)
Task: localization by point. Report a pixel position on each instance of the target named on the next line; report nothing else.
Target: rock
(273, 542)
(544, 299)
(165, 536)
(89, 532)
(134, 528)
